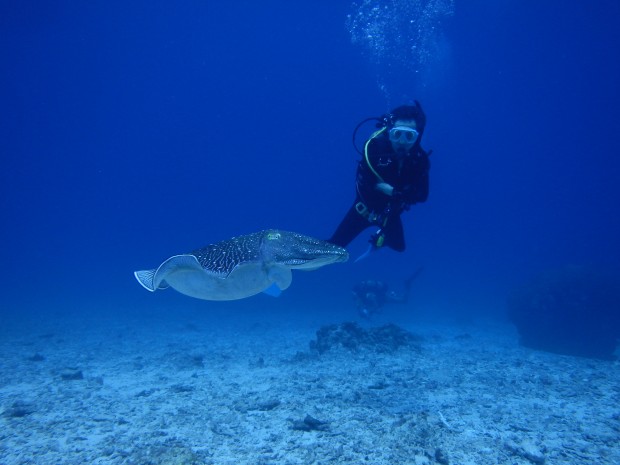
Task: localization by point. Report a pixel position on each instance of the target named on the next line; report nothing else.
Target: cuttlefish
(242, 266)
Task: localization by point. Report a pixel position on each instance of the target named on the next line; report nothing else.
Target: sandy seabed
(165, 392)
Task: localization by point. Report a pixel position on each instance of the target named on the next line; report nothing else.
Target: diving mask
(403, 135)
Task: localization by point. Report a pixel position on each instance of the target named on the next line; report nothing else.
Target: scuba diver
(371, 295)
(391, 176)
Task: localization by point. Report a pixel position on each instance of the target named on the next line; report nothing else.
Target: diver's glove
(403, 198)
(398, 196)
(399, 200)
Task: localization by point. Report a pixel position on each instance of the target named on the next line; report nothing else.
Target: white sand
(171, 393)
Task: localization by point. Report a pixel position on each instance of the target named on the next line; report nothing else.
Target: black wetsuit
(373, 207)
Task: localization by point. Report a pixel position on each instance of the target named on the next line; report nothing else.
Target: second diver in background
(371, 295)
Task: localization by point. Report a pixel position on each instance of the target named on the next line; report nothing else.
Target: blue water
(132, 131)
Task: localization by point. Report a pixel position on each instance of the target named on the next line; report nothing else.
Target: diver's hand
(385, 188)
